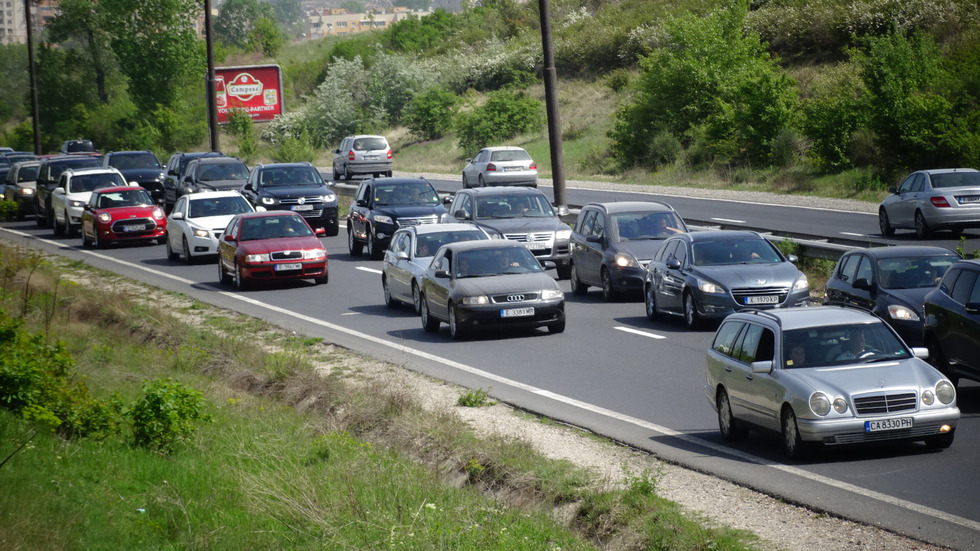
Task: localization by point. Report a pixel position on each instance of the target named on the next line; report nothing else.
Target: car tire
(691, 316)
(96, 242)
(171, 255)
(650, 302)
(609, 293)
(389, 174)
(564, 271)
(940, 442)
(59, 229)
(240, 281)
(71, 230)
(188, 258)
(429, 323)
(223, 277)
(373, 251)
(353, 246)
(324, 279)
(793, 443)
(389, 302)
(922, 230)
(336, 175)
(416, 297)
(938, 359)
(465, 183)
(85, 241)
(38, 219)
(49, 215)
(729, 427)
(481, 181)
(884, 224)
(347, 175)
(456, 329)
(557, 326)
(578, 288)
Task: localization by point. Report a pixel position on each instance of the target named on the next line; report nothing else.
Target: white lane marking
(897, 502)
(351, 314)
(371, 270)
(730, 221)
(638, 332)
(853, 234)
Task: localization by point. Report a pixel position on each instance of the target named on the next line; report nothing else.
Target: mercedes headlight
(928, 397)
(479, 299)
(819, 403)
(840, 405)
(252, 258)
(551, 294)
(945, 392)
(710, 288)
(898, 312)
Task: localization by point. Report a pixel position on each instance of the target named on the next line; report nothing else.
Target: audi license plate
(290, 266)
(517, 312)
(888, 424)
(132, 228)
(512, 168)
(302, 207)
(768, 299)
(536, 246)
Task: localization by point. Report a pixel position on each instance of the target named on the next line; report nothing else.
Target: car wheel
(187, 251)
(465, 183)
(691, 316)
(347, 174)
(578, 287)
(557, 326)
(922, 230)
(223, 276)
(85, 242)
(727, 424)
(336, 175)
(322, 280)
(416, 298)
(793, 444)
(353, 246)
(429, 323)
(389, 302)
(373, 251)
(389, 174)
(50, 217)
(96, 242)
(940, 442)
(883, 224)
(563, 271)
(171, 255)
(650, 302)
(482, 182)
(71, 230)
(608, 293)
(456, 329)
(938, 360)
(38, 219)
(59, 229)
(240, 282)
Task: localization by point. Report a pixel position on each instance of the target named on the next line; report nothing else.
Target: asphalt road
(611, 371)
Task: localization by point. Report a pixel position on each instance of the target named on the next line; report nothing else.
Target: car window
(133, 161)
(181, 204)
(599, 228)
(442, 262)
(849, 344)
(864, 270)
(963, 288)
(492, 262)
(510, 155)
(223, 171)
(124, 198)
(27, 173)
(646, 225)
(975, 294)
(585, 221)
(370, 144)
(463, 203)
(956, 179)
(918, 185)
(912, 273)
(91, 182)
(427, 244)
(420, 193)
(666, 251)
(680, 253)
(725, 337)
(755, 344)
(274, 227)
(946, 285)
(907, 184)
(218, 206)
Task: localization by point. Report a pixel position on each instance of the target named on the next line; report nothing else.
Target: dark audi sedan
(890, 281)
(952, 322)
(711, 274)
(496, 282)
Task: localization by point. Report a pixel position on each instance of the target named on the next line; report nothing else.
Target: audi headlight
(202, 233)
(551, 294)
(268, 200)
(382, 219)
(252, 258)
(945, 392)
(624, 260)
(710, 288)
(819, 403)
(314, 254)
(105, 218)
(801, 283)
(76, 204)
(840, 405)
(480, 299)
(563, 234)
(898, 312)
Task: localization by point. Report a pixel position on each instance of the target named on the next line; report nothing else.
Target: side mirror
(460, 215)
(549, 265)
(336, 151)
(401, 255)
(177, 216)
(59, 191)
(362, 202)
(249, 187)
(447, 200)
(793, 259)
(441, 274)
(468, 161)
(319, 232)
(673, 264)
(893, 190)
(594, 239)
(762, 366)
(920, 352)
(863, 284)
(229, 238)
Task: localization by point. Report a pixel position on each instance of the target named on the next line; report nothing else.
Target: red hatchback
(270, 245)
(121, 214)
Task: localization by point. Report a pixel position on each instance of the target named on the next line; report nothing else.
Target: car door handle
(748, 377)
(728, 369)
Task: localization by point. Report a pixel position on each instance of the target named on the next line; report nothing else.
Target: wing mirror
(229, 238)
(320, 232)
(441, 274)
(673, 264)
(764, 366)
(401, 255)
(863, 284)
(177, 216)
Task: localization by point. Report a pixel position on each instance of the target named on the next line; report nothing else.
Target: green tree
(14, 85)
(430, 115)
(85, 21)
(237, 17)
(505, 115)
(265, 38)
(288, 12)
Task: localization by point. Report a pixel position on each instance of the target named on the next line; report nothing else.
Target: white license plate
(517, 312)
(371, 157)
(888, 424)
(969, 199)
(302, 207)
(769, 299)
(290, 266)
(536, 246)
(512, 168)
(132, 228)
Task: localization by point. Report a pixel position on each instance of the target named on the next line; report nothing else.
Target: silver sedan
(500, 166)
(927, 200)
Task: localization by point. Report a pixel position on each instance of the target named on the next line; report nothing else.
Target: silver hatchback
(362, 155)
(927, 200)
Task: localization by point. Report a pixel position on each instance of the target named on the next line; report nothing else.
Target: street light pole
(212, 107)
(35, 120)
(551, 104)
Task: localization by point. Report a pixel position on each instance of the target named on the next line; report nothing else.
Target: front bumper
(718, 306)
(266, 271)
(851, 430)
(107, 233)
(627, 279)
(489, 315)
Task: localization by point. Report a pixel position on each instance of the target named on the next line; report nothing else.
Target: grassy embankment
(306, 448)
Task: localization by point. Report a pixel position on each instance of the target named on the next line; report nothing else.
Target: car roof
(903, 251)
(201, 195)
(812, 316)
(92, 170)
(25, 163)
(948, 170)
(355, 136)
(118, 188)
(461, 246)
(267, 213)
(218, 160)
(399, 181)
(439, 228)
(502, 190)
(713, 235)
(967, 263)
(504, 148)
(129, 152)
(283, 165)
(632, 206)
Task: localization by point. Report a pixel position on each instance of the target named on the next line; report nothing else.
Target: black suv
(382, 205)
(47, 179)
(213, 174)
(77, 146)
(520, 214)
(952, 322)
(297, 187)
(139, 167)
(174, 173)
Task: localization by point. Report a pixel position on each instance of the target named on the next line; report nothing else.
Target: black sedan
(890, 281)
(711, 274)
(382, 205)
(952, 322)
(473, 284)
(612, 243)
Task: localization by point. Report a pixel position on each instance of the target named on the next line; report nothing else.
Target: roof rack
(763, 313)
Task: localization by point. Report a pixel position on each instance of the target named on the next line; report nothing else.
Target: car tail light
(491, 167)
(389, 153)
(940, 202)
(534, 166)
(350, 155)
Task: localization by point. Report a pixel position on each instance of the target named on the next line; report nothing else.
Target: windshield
(832, 345)
(124, 198)
(274, 227)
(27, 173)
(217, 206)
(735, 251)
(513, 206)
(91, 182)
(298, 176)
(510, 155)
(956, 179)
(631, 226)
(492, 262)
(913, 273)
(427, 244)
(130, 161)
(421, 193)
(370, 144)
(222, 171)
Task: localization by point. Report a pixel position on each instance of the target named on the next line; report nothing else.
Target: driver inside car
(854, 347)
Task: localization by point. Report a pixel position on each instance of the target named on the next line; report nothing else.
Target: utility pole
(212, 107)
(35, 120)
(551, 104)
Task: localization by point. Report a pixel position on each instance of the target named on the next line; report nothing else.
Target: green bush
(505, 115)
(430, 115)
(165, 414)
(294, 149)
(240, 125)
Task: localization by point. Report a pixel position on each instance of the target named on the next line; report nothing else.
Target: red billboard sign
(256, 89)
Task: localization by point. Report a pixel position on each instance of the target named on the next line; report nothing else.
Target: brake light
(389, 153)
(350, 155)
(940, 202)
(491, 167)
(534, 166)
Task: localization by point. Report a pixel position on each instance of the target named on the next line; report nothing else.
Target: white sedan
(198, 220)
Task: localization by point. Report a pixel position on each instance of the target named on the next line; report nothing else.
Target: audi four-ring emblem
(515, 298)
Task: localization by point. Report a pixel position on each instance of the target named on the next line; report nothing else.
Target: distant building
(338, 22)
(13, 26)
